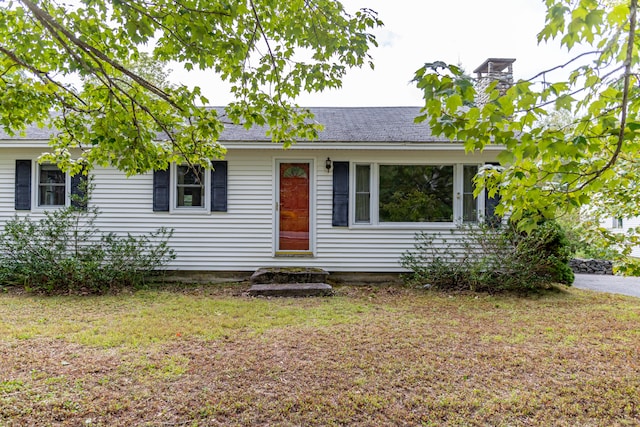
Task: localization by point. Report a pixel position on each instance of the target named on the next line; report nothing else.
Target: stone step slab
(271, 275)
(291, 290)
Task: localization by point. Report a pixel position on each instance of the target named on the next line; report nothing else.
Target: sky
(462, 32)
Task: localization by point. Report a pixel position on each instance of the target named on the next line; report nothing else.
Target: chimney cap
(497, 65)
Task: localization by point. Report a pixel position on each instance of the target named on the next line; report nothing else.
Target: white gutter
(318, 145)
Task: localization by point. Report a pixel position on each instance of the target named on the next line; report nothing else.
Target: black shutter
(79, 191)
(23, 185)
(490, 204)
(340, 194)
(219, 186)
(161, 190)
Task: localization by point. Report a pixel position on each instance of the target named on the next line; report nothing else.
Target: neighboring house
(351, 201)
(623, 225)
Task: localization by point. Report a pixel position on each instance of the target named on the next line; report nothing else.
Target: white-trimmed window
(52, 186)
(618, 223)
(363, 194)
(413, 193)
(45, 186)
(185, 188)
(469, 201)
(190, 187)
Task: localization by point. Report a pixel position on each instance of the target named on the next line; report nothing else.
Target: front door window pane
(416, 193)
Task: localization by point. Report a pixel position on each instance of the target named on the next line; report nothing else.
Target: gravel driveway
(612, 284)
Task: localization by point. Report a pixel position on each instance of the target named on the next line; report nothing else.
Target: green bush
(548, 246)
(64, 252)
(488, 259)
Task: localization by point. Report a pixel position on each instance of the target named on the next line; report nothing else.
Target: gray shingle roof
(342, 124)
(32, 132)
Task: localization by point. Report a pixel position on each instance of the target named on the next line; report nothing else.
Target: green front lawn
(368, 356)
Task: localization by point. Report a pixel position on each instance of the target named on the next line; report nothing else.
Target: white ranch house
(335, 203)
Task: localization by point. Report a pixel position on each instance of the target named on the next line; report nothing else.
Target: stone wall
(591, 266)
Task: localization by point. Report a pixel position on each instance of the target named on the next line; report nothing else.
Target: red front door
(293, 233)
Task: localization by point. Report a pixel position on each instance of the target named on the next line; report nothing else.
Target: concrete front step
(291, 290)
(289, 275)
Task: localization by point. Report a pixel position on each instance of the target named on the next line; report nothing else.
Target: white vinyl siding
(242, 238)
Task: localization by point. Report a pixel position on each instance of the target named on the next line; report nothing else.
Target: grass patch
(149, 317)
(368, 356)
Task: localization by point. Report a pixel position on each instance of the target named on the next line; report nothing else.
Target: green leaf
(453, 103)
(506, 158)
(564, 102)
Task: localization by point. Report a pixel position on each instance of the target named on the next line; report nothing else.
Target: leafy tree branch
(551, 169)
(123, 117)
(586, 162)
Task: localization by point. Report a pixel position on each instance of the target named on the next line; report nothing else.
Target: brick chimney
(500, 69)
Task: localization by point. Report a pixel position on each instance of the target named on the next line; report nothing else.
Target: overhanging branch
(53, 26)
(633, 7)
